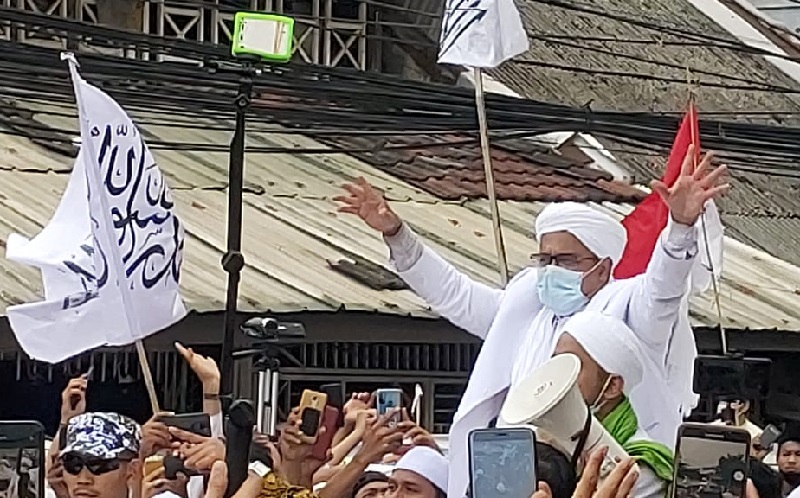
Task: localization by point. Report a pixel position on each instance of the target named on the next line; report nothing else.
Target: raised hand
(204, 367)
(369, 204)
(694, 187)
(73, 399)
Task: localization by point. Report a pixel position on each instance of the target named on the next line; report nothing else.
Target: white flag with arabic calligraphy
(111, 255)
(481, 33)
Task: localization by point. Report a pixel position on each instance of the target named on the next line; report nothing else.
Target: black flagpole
(233, 261)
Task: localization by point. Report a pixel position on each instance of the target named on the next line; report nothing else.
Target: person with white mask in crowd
(612, 365)
(578, 250)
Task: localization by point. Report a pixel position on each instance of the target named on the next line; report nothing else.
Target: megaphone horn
(550, 399)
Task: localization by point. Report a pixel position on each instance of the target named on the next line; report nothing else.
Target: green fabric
(622, 424)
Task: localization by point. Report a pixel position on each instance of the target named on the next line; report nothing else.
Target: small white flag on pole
(481, 33)
(111, 255)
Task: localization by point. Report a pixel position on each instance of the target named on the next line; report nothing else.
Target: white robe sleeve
(656, 304)
(467, 304)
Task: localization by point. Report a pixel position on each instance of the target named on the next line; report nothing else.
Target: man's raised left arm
(656, 303)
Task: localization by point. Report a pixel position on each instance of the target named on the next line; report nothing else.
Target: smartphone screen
(502, 463)
(712, 461)
(21, 459)
(386, 399)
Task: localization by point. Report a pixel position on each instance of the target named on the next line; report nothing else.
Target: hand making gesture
(695, 186)
(370, 205)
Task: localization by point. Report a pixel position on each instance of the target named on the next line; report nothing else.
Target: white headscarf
(599, 232)
(611, 343)
(427, 463)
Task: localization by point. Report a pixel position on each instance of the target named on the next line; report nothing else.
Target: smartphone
(728, 378)
(22, 455)
(386, 399)
(769, 437)
(711, 460)
(197, 423)
(153, 463)
(329, 420)
(312, 405)
(502, 462)
(335, 393)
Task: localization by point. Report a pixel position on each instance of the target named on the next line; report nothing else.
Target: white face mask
(599, 401)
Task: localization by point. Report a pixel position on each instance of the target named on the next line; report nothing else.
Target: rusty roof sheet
(523, 171)
(292, 232)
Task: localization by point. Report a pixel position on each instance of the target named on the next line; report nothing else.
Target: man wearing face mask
(612, 364)
(578, 250)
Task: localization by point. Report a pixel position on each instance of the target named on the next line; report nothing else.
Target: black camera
(734, 377)
(271, 330)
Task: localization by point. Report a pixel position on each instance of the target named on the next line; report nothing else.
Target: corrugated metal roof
(292, 230)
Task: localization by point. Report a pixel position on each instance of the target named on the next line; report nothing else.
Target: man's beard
(792, 478)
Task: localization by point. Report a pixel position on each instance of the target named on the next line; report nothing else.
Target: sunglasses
(73, 464)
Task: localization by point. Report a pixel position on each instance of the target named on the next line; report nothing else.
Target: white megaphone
(549, 399)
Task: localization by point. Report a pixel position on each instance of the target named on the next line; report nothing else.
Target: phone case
(196, 423)
(312, 405)
(724, 473)
(323, 444)
(152, 463)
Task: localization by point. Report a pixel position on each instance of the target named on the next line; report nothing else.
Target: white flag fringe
(111, 255)
(481, 33)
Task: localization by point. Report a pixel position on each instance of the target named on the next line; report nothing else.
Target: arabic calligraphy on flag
(111, 255)
(481, 33)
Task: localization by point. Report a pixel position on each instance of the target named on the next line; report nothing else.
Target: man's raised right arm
(466, 303)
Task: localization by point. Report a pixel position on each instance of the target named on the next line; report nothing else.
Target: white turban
(599, 232)
(611, 343)
(427, 463)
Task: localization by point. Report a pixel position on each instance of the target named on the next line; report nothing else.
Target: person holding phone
(573, 268)
(612, 365)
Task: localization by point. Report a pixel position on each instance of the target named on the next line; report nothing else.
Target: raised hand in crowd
(73, 403)
(415, 435)
(298, 465)
(155, 483)
(155, 436)
(368, 203)
(73, 398)
(197, 452)
(381, 438)
(695, 186)
(208, 373)
(618, 484)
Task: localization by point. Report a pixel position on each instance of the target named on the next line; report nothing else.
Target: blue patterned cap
(106, 436)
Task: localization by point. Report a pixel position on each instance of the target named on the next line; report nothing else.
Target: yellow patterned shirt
(274, 486)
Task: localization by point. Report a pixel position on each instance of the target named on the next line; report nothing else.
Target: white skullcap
(427, 463)
(599, 232)
(610, 343)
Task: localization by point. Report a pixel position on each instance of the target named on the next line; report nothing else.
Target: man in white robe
(612, 365)
(578, 249)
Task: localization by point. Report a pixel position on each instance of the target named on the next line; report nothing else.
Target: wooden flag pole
(723, 335)
(486, 153)
(148, 376)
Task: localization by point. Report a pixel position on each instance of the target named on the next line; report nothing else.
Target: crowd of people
(630, 337)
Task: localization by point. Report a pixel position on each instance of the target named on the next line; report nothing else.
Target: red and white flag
(645, 223)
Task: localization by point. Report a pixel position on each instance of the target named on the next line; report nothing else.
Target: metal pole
(261, 396)
(486, 152)
(233, 261)
(273, 403)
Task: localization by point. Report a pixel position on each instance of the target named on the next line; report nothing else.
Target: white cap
(427, 463)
